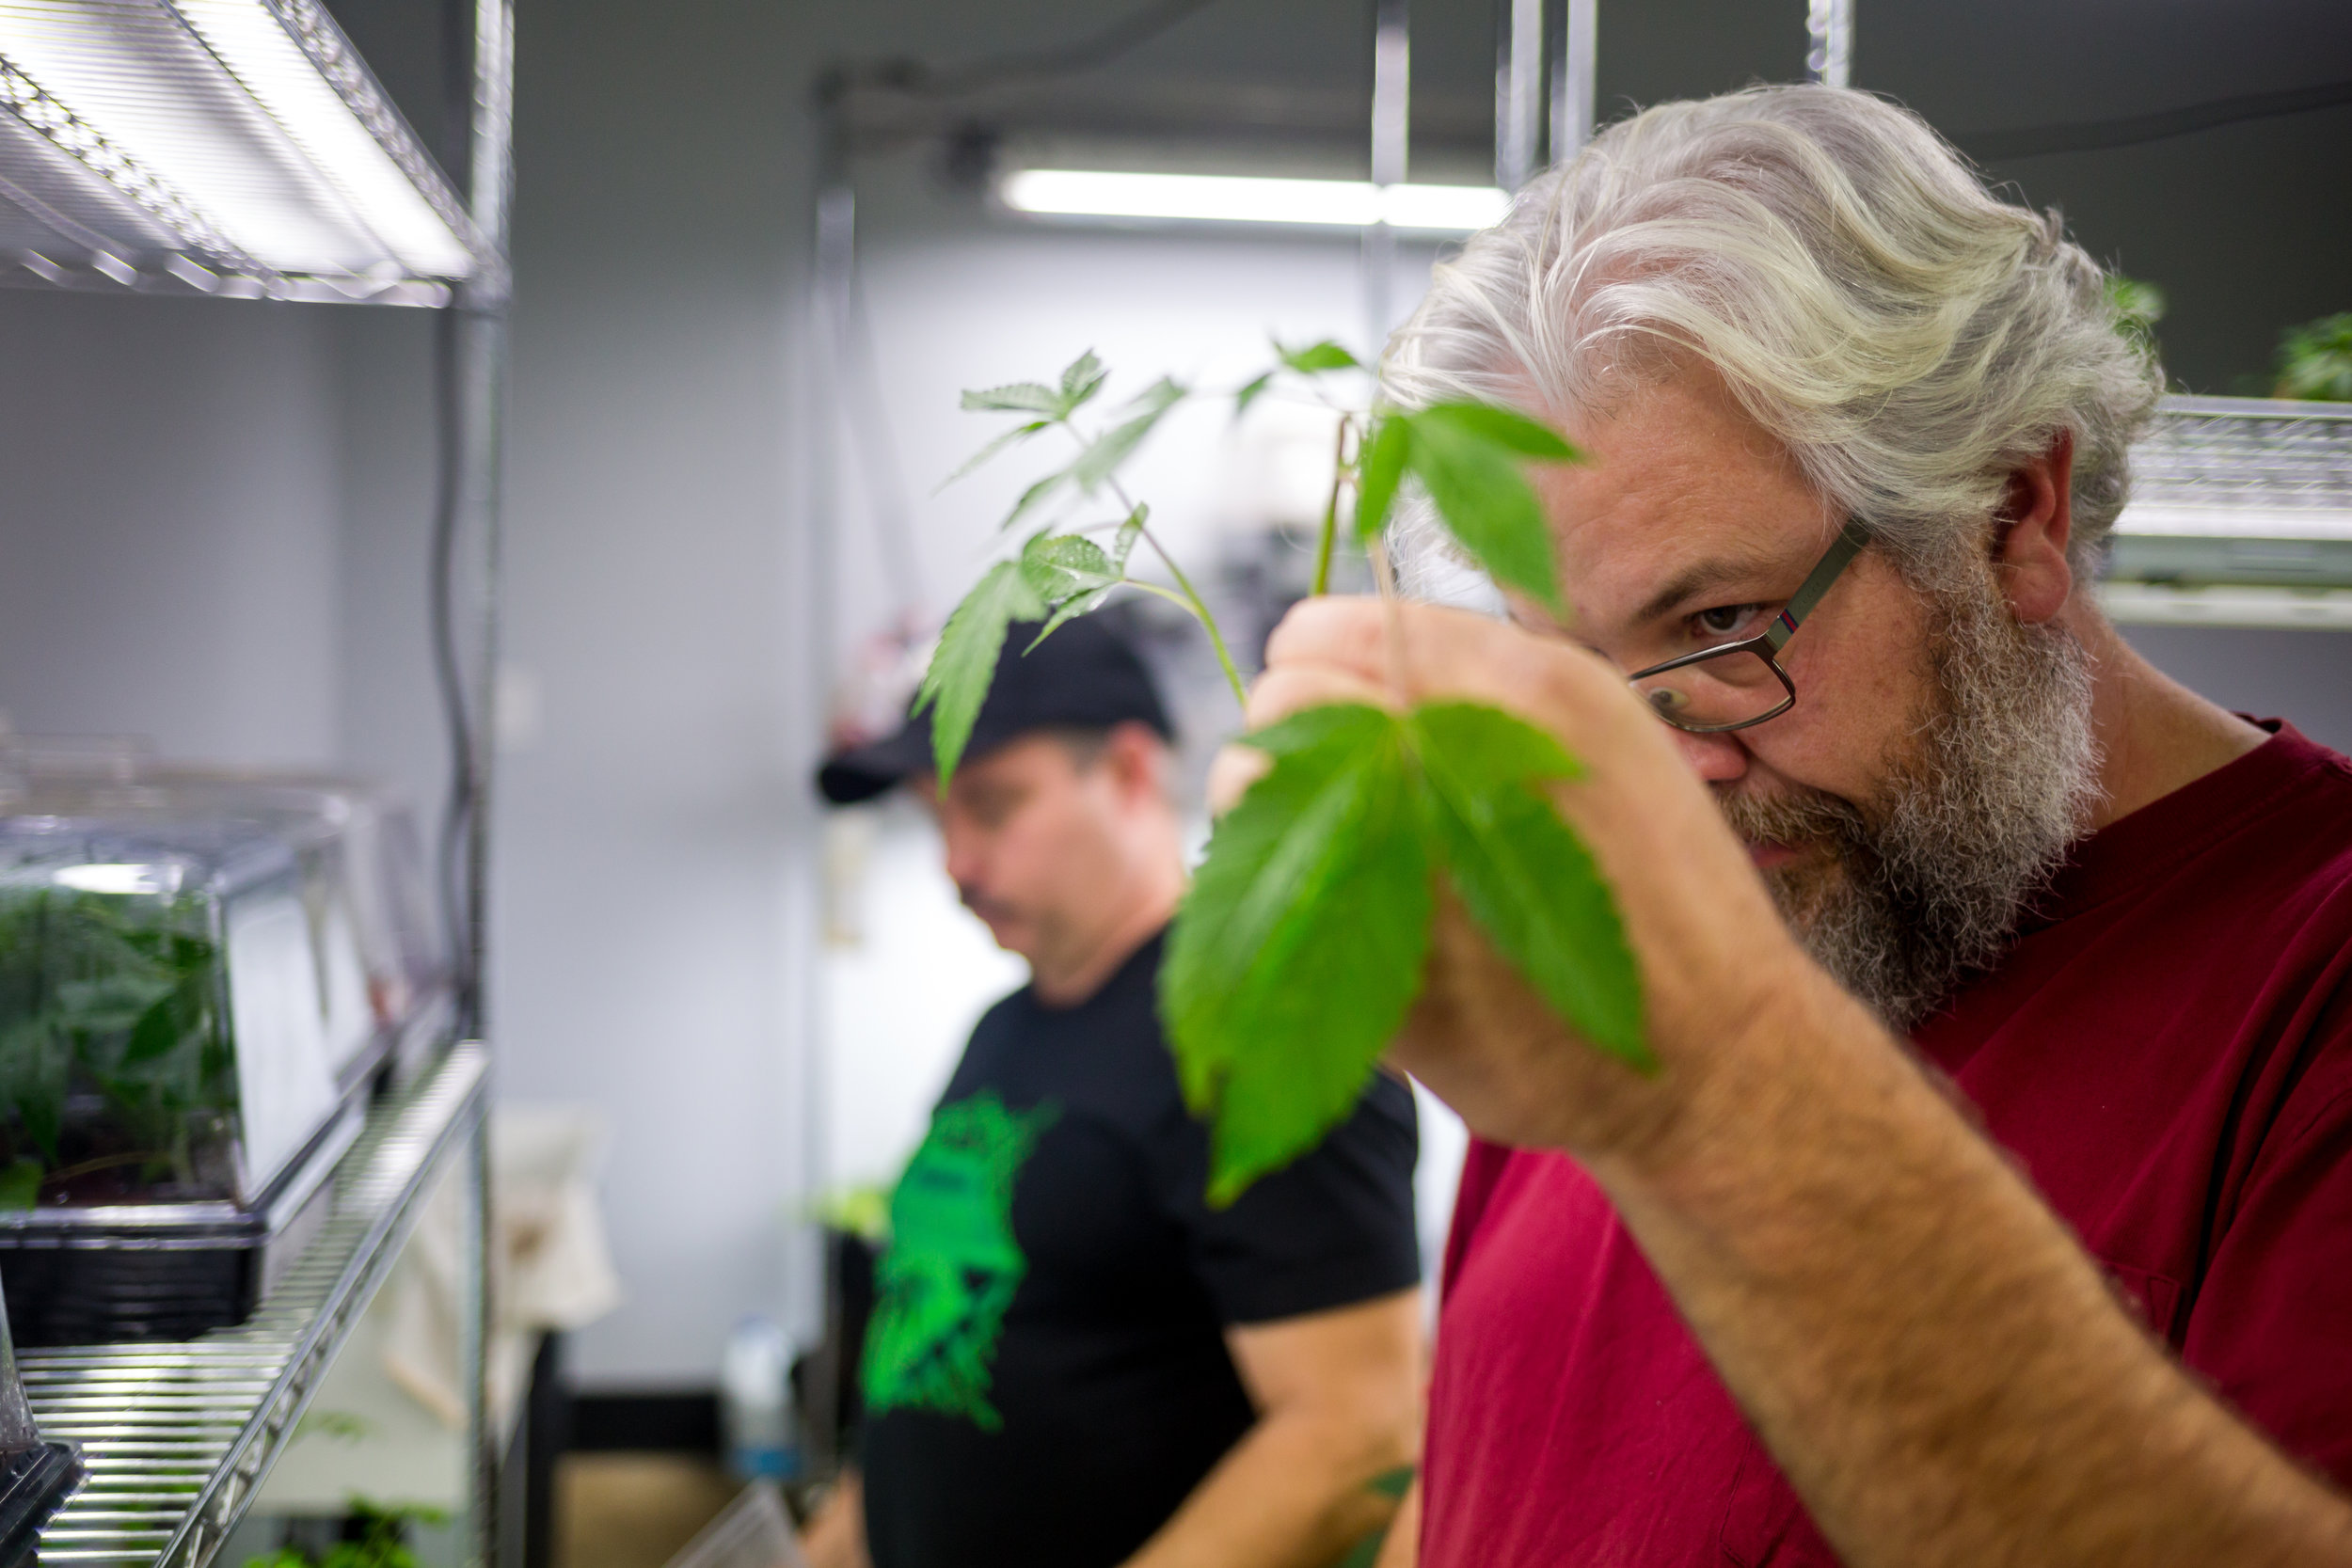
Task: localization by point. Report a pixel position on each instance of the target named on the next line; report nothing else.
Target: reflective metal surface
(177, 1437)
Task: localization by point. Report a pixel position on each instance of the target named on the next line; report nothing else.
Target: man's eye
(1724, 620)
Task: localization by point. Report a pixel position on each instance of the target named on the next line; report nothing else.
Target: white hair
(1908, 336)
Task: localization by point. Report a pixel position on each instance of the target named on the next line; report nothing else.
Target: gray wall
(170, 535)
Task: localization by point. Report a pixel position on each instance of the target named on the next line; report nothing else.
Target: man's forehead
(1630, 562)
(1681, 493)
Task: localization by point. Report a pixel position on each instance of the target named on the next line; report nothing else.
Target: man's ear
(2030, 536)
(1138, 757)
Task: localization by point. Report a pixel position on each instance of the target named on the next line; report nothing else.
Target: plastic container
(754, 1409)
(181, 1061)
(364, 883)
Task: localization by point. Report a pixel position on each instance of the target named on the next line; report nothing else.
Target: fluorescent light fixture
(244, 133)
(1236, 198)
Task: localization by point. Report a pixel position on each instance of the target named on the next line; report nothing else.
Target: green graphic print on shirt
(953, 1264)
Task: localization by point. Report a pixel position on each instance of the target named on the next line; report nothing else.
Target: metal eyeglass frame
(1848, 544)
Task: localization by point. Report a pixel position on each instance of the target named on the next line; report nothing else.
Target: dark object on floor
(825, 1381)
(684, 1423)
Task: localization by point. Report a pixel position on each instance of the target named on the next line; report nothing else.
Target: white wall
(169, 523)
(955, 303)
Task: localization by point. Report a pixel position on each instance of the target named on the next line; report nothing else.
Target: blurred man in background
(1074, 1362)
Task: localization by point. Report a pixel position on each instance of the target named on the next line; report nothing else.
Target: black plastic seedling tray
(34, 1484)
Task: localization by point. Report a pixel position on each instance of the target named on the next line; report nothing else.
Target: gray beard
(1905, 897)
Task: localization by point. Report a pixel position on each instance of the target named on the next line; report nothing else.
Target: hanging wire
(2133, 129)
(453, 870)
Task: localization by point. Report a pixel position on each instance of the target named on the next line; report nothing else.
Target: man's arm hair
(1339, 1406)
(1934, 1361)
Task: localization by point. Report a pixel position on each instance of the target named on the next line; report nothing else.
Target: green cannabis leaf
(1300, 944)
(1379, 472)
(1467, 456)
(1469, 463)
(956, 683)
(1315, 359)
(1524, 877)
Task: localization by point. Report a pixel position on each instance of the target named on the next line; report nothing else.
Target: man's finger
(1334, 630)
(1231, 775)
(1280, 692)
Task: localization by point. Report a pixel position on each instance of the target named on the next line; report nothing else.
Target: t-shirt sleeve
(2267, 1330)
(1333, 1228)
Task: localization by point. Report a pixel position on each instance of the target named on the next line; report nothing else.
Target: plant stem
(1392, 644)
(1331, 512)
(1191, 600)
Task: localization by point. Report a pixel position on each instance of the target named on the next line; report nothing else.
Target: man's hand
(1339, 1406)
(1713, 951)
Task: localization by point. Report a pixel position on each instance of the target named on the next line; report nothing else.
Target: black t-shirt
(1045, 1376)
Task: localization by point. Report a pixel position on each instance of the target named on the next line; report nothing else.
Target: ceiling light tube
(245, 128)
(1236, 198)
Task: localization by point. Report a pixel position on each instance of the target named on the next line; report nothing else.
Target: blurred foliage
(2137, 307)
(2315, 360)
(376, 1536)
(861, 1211)
(116, 994)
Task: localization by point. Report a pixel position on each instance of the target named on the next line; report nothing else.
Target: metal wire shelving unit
(2241, 514)
(178, 1436)
(242, 150)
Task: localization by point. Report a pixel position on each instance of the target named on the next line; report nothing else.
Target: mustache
(980, 903)
(1793, 816)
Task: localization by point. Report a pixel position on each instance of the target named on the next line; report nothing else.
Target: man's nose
(963, 859)
(1716, 758)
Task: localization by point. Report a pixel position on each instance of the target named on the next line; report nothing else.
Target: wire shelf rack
(2244, 467)
(177, 1437)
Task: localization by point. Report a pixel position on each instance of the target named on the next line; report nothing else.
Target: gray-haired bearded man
(1994, 1202)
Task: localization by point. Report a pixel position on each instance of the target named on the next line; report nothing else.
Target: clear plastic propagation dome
(165, 1013)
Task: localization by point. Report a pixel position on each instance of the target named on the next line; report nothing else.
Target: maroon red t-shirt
(2168, 1050)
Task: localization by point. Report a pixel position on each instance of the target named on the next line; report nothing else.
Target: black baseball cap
(1086, 676)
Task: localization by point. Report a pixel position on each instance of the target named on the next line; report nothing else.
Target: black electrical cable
(870, 432)
(2032, 141)
(453, 873)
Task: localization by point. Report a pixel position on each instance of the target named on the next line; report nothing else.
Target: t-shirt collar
(2133, 849)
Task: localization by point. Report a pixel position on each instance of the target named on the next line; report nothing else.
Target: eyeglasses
(1742, 684)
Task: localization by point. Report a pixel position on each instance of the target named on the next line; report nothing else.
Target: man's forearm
(1294, 1492)
(1935, 1362)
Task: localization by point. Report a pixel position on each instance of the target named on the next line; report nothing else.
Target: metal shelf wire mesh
(2244, 468)
(178, 1436)
(234, 148)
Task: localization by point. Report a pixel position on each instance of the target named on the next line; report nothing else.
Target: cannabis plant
(1300, 945)
(112, 998)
